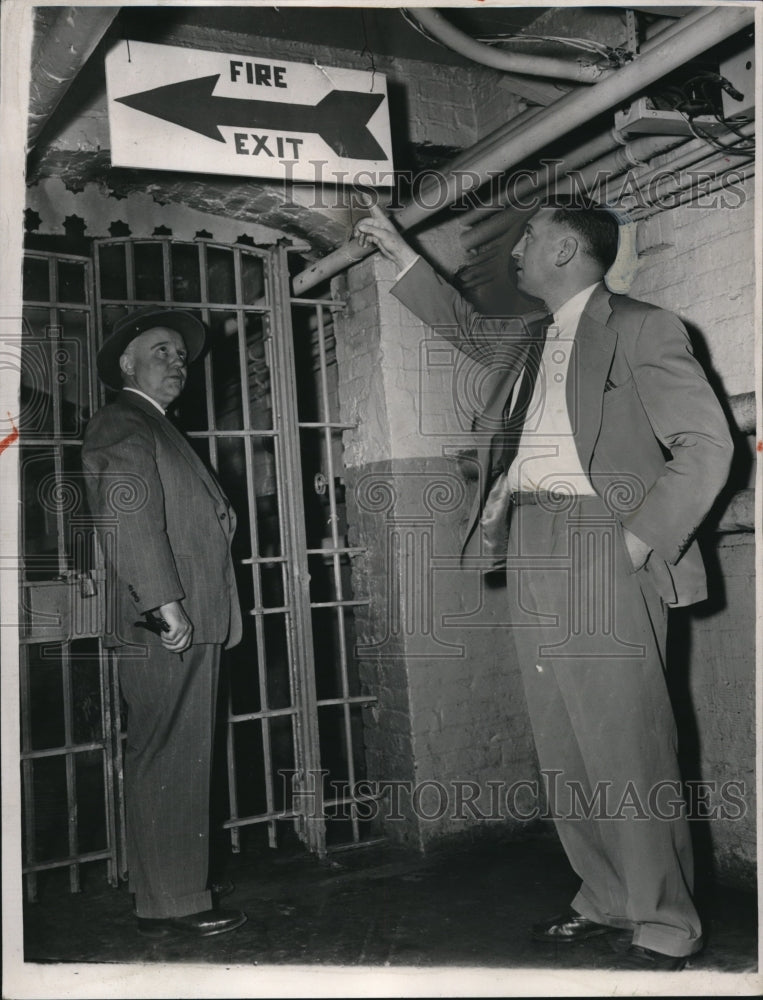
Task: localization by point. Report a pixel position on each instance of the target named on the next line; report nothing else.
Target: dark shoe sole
(162, 932)
(667, 964)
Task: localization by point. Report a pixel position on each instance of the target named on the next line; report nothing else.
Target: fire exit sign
(194, 110)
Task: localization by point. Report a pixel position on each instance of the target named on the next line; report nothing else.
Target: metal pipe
(511, 62)
(495, 142)
(714, 167)
(615, 163)
(64, 50)
(619, 161)
(589, 151)
(742, 172)
(573, 110)
(657, 26)
(696, 150)
(743, 410)
(739, 514)
(597, 146)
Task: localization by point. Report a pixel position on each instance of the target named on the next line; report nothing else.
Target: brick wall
(450, 713)
(712, 677)
(699, 262)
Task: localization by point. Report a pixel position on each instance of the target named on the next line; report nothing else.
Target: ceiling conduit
(511, 62)
(696, 152)
(577, 157)
(708, 27)
(64, 50)
(616, 162)
(590, 151)
(681, 191)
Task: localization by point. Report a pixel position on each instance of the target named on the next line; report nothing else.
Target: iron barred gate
(262, 411)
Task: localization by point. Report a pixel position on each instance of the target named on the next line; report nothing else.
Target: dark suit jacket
(167, 527)
(648, 428)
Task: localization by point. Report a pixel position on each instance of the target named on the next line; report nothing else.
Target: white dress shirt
(129, 388)
(547, 458)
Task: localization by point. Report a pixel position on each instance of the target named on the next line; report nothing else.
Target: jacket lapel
(593, 350)
(166, 427)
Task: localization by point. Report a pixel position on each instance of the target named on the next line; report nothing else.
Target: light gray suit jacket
(648, 428)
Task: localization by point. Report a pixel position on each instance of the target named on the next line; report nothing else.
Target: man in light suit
(166, 529)
(604, 451)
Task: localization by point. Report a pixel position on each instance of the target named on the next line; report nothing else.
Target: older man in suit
(604, 449)
(166, 529)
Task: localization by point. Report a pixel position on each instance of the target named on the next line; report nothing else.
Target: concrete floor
(377, 907)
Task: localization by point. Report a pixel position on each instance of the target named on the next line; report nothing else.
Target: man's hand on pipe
(378, 231)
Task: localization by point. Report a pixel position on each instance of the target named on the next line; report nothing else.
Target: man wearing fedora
(171, 607)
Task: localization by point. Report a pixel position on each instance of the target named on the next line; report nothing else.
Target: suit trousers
(590, 633)
(168, 759)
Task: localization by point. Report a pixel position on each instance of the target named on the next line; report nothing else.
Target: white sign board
(208, 112)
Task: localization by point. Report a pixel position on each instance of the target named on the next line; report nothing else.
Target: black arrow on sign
(339, 119)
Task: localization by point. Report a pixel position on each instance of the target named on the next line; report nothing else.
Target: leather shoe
(203, 924)
(638, 959)
(569, 927)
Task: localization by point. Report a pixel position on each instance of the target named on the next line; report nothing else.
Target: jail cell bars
(240, 408)
(338, 694)
(67, 744)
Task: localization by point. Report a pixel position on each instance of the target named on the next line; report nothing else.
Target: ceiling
(379, 30)
(376, 30)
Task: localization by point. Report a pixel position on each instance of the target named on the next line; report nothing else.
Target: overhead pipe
(633, 154)
(66, 47)
(588, 152)
(615, 163)
(574, 109)
(511, 62)
(659, 25)
(696, 151)
(591, 150)
(597, 146)
(683, 189)
(618, 160)
(742, 172)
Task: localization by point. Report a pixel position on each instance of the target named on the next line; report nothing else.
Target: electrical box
(739, 70)
(641, 118)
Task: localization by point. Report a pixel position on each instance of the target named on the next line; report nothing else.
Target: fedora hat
(129, 327)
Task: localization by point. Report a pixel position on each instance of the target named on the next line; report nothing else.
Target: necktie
(493, 519)
(504, 445)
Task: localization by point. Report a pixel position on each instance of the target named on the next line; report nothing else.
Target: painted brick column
(450, 720)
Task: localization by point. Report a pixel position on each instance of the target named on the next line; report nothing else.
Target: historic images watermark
(435, 189)
(496, 800)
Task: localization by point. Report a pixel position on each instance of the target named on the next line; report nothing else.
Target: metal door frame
(337, 550)
(65, 601)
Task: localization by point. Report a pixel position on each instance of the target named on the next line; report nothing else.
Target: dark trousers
(170, 725)
(590, 634)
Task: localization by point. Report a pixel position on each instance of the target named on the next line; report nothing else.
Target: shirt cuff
(406, 269)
